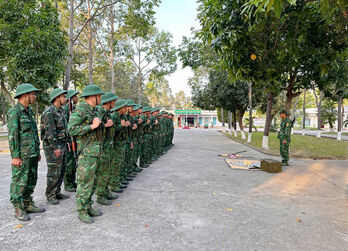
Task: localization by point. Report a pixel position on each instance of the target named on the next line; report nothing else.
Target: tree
(151, 54)
(274, 53)
(329, 113)
(32, 46)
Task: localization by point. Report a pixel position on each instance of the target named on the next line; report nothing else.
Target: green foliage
(328, 113)
(32, 44)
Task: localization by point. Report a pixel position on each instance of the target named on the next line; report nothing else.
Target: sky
(177, 17)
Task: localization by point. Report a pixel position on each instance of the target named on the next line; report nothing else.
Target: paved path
(190, 200)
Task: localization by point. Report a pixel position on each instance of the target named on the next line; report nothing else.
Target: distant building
(196, 118)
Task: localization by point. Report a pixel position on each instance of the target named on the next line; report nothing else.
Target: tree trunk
(240, 122)
(268, 120)
(111, 47)
(139, 78)
(7, 94)
(234, 123)
(339, 118)
(90, 45)
(290, 94)
(222, 119)
(70, 55)
(304, 113)
(250, 111)
(318, 101)
(229, 123)
(3, 108)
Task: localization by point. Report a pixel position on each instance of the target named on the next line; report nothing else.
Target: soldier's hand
(134, 126)
(123, 122)
(148, 121)
(17, 162)
(140, 120)
(109, 123)
(156, 122)
(57, 153)
(284, 142)
(96, 122)
(127, 123)
(131, 145)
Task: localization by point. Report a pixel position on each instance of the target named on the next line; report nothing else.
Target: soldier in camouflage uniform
(25, 152)
(171, 126)
(71, 155)
(155, 133)
(118, 158)
(129, 144)
(146, 148)
(54, 136)
(135, 142)
(104, 196)
(85, 125)
(284, 135)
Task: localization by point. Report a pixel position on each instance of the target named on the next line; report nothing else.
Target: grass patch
(302, 146)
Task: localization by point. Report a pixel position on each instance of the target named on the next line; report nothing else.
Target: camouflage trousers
(86, 181)
(134, 155)
(55, 170)
(117, 162)
(70, 172)
(128, 160)
(284, 151)
(23, 181)
(155, 145)
(144, 151)
(103, 174)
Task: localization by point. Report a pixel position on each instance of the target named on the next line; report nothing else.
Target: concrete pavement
(190, 199)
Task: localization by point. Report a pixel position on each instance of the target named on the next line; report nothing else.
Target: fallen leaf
(118, 205)
(214, 193)
(298, 219)
(228, 209)
(18, 226)
(146, 225)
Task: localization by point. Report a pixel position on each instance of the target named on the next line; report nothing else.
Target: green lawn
(303, 146)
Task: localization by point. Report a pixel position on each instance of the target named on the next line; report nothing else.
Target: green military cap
(155, 109)
(56, 93)
(25, 88)
(71, 93)
(91, 90)
(164, 112)
(136, 107)
(130, 102)
(284, 111)
(107, 97)
(119, 104)
(147, 109)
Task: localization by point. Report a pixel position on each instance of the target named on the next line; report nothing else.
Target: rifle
(72, 145)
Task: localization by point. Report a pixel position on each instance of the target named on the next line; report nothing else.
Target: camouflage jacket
(54, 128)
(108, 132)
(120, 131)
(155, 128)
(147, 127)
(88, 141)
(285, 130)
(23, 135)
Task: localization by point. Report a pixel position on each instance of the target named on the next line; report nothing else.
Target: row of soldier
(115, 140)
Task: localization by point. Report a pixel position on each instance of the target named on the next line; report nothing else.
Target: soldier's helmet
(71, 93)
(119, 104)
(56, 93)
(91, 90)
(136, 107)
(107, 97)
(25, 88)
